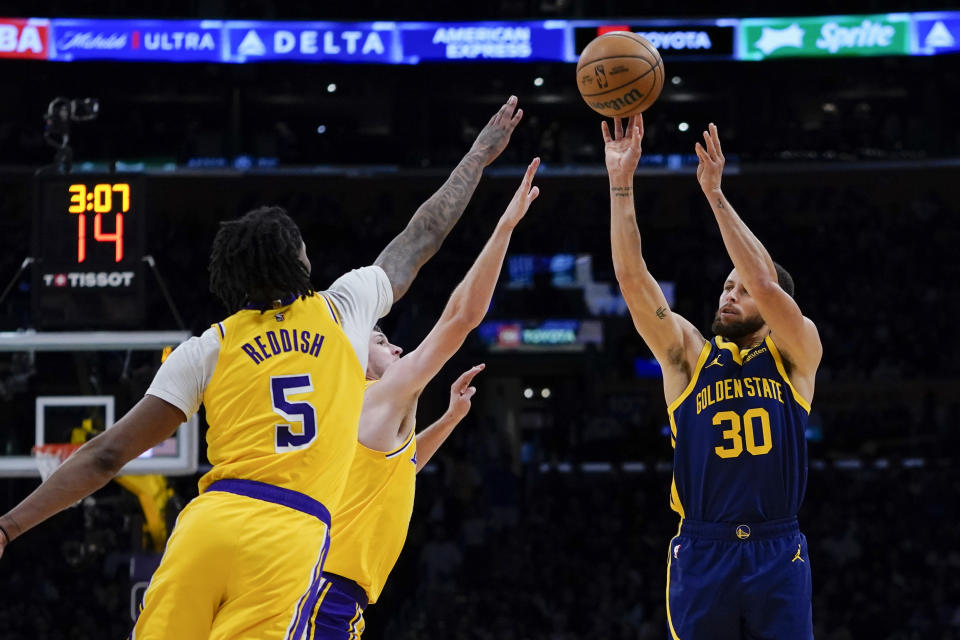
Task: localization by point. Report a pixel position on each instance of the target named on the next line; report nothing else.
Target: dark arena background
(545, 515)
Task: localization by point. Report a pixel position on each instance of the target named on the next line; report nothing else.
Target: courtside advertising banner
(25, 38)
(137, 40)
(257, 41)
(388, 42)
(824, 36)
(431, 41)
(937, 32)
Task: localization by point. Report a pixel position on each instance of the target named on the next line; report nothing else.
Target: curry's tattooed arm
(673, 341)
(421, 239)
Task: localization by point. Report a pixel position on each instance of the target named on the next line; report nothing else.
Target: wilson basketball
(620, 74)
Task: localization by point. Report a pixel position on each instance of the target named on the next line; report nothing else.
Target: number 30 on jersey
(734, 441)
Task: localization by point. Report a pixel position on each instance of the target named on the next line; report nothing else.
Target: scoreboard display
(88, 237)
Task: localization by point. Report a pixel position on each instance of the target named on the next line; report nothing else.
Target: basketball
(620, 74)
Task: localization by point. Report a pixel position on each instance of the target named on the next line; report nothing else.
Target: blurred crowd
(577, 556)
(552, 556)
(423, 116)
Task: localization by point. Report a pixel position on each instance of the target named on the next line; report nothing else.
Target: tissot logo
(89, 279)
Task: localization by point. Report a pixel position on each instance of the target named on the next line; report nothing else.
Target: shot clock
(88, 240)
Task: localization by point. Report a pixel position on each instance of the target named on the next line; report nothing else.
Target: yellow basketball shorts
(243, 562)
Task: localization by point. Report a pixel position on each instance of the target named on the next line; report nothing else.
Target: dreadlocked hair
(256, 260)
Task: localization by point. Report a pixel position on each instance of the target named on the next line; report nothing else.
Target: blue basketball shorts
(749, 581)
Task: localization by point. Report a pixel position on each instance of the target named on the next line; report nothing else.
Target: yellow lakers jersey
(370, 527)
(284, 400)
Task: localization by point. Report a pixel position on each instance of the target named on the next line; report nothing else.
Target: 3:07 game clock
(88, 243)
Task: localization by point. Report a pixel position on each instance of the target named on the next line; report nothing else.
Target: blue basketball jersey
(738, 430)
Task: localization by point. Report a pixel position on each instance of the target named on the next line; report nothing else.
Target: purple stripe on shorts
(274, 494)
(305, 614)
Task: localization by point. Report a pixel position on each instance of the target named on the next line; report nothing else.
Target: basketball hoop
(49, 457)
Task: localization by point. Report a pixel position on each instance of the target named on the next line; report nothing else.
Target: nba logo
(676, 552)
(601, 76)
(278, 317)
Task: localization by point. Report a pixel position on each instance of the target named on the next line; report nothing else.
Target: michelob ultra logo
(824, 36)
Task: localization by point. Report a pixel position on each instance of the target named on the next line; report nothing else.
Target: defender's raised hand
(402, 258)
(622, 151)
(710, 169)
(461, 392)
(493, 139)
(525, 194)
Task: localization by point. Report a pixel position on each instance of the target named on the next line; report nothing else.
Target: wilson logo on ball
(618, 104)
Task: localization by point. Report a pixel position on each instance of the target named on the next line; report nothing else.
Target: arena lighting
(538, 82)
(545, 392)
(528, 393)
(332, 87)
(676, 80)
(683, 126)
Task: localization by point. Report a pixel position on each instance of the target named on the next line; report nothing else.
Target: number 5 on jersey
(281, 388)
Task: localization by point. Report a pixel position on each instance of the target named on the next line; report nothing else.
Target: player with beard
(738, 406)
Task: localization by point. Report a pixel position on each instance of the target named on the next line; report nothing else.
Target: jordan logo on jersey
(414, 458)
(715, 361)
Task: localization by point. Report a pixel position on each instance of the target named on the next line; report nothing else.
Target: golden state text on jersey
(738, 432)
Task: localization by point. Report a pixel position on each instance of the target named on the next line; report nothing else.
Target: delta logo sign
(25, 38)
(358, 42)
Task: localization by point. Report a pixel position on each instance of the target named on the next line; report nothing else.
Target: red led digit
(116, 236)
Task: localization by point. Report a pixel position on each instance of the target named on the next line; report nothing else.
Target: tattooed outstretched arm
(674, 342)
(433, 220)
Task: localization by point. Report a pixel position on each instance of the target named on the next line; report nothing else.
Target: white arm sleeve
(186, 372)
(362, 296)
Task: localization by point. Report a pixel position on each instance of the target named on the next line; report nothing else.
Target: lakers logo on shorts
(743, 531)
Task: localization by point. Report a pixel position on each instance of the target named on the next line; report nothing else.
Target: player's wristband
(5, 534)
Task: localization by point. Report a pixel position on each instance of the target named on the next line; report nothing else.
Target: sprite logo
(824, 36)
(867, 34)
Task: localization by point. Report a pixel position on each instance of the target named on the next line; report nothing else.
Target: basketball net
(49, 457)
